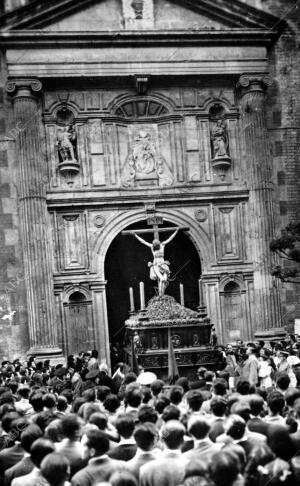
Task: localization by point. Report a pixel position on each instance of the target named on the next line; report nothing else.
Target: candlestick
(142, 295)
(132, 309)
(181, 294)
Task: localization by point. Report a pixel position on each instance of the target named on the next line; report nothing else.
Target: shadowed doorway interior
(126, 264)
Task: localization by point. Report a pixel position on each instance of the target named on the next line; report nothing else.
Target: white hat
(146, 378)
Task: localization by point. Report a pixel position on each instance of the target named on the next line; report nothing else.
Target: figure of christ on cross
(159, 268)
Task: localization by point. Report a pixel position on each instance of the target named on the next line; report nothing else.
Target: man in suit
(295, 438)
(39, 449)
(11, 455)
(25, 466)
(127, 447)
(100, 467)
(169, 469)
(71, 446)
(250, 367)
(145, 436)
(204, 448)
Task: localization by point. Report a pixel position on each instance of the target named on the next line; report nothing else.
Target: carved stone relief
(144, 165)
(138, 14)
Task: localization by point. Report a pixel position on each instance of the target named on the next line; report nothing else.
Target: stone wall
(13, 315)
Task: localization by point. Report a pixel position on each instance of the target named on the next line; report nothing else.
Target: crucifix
(159, 268)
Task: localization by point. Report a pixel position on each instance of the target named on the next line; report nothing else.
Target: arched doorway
(126, 264)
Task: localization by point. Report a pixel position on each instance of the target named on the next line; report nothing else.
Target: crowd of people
(75, 423)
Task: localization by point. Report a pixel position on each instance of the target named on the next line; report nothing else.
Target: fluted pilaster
(261, 221)
(34, 222)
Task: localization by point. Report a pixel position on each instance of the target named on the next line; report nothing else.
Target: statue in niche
(154, 342)
(219, 140)
(196, 340)
(66, 143)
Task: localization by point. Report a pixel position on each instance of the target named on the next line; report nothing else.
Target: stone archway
(113, 227)
(126, 264)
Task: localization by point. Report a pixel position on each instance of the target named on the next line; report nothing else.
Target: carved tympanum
(144, 165)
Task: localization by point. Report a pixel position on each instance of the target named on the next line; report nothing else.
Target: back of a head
(130, 378)
(220, 387)
(55, 468)
(256, 403)
(97, 440)
(29, 436)
(223, 469)
(71, 426)
(161, 403)
(145, 436)
(24, 391)
(198, 427)
(8, 419)
(243, 387)
(235, 427)
(133, 397)
(49, 400)
(62, 403)
(103, 392)
(156, 387)
(89, 395)
(275, 402)
(279, 441)
(291, 395)
(176, 394)
(283, 380)
(111, 403)
(171, 412)
(147, 414)
(99, 419)
(123, 478)
(241, 408)
(40, 449)
(184, 383)
(36, 401)
(172, 434)
(125, 425)
(218, 405)
(195, 400)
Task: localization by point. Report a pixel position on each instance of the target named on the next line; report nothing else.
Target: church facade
(121, 114)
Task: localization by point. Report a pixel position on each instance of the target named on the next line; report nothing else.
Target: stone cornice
(46, 39)
(91, 199)
(21, 87)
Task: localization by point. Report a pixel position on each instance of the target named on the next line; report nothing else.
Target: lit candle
(142, 295)
(181, 294)
(132, 309)
(201, 300)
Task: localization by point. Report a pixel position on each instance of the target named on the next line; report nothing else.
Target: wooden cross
(155, 221)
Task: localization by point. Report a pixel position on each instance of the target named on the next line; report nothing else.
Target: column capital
(249, 83)
(24, 87)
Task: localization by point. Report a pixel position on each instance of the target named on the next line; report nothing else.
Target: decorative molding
(200, 215)
(24, 86)
(99, 220)
(248, 82)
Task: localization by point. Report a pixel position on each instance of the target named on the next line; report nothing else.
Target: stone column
(34, 223)
(266, 308)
